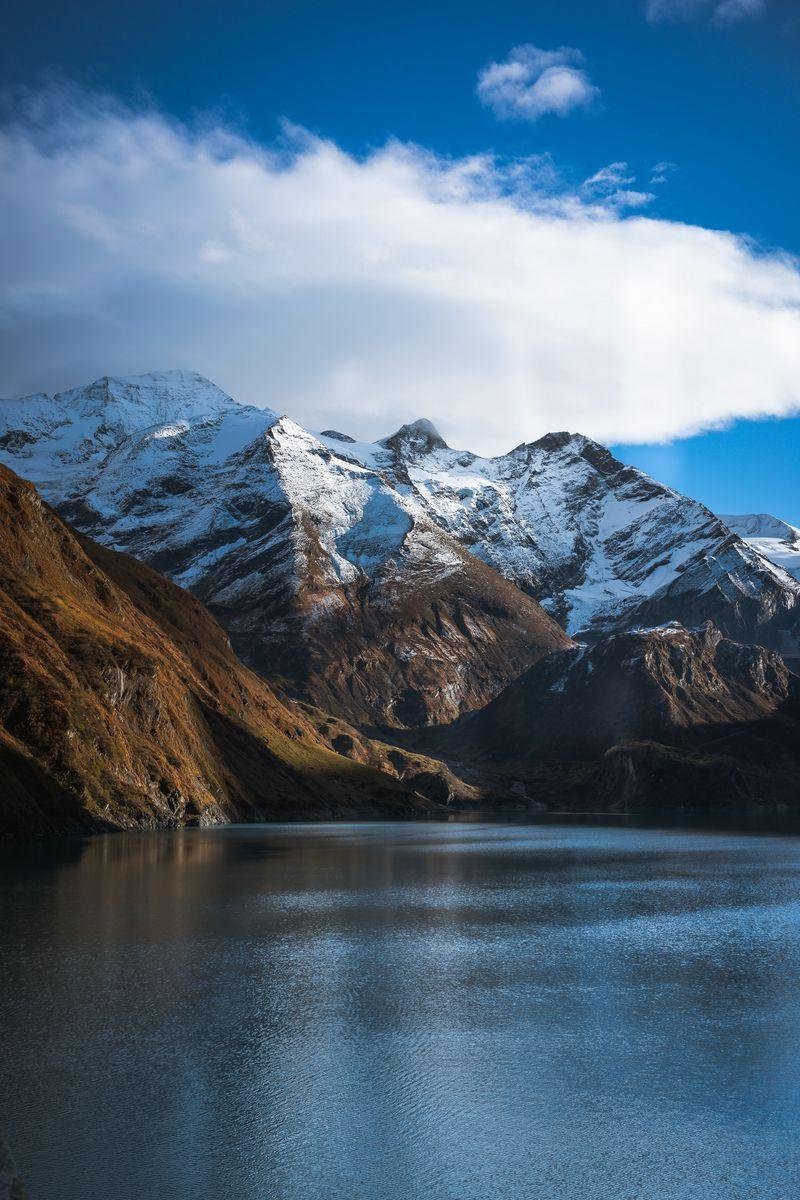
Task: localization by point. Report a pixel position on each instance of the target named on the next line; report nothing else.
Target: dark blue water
(403, 1012)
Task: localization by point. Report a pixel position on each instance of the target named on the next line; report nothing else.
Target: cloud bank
(530, 83)
(361, 293)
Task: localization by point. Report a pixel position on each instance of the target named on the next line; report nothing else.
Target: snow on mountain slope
(776, 540)
(322, 569)
(397, 581)
(65, 439)
(601, 545)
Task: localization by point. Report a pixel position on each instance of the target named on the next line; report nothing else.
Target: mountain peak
(760, 525)
(562, 438)
(774, 539)
(117, 406)
(420, 435)
(584, 447)
(336, 436)
(169, 393)
(555, 440)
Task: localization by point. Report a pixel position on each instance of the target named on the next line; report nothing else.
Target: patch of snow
(775, 540)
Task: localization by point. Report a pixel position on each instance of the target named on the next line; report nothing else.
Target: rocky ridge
(325, 573)
(122, 704)
(601, 545)
(397, 584)
(667, 718)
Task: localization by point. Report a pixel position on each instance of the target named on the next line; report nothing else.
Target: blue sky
(717, 99)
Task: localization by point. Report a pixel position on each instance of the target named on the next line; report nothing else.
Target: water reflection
(402, 1011)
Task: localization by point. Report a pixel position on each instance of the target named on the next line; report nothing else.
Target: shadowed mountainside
(666, 718)
(122, 704)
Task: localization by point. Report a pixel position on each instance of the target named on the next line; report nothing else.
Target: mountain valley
(421, 627)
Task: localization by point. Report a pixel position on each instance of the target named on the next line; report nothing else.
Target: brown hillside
(122, 704)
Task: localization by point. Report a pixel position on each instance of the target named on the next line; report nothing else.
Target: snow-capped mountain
(322, 569)
(603, 546)
(398, 581)
(774, 539)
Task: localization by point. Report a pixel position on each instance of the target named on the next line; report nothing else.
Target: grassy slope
(121, 703)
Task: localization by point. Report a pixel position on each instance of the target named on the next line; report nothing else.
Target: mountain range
(379, 590)
(122, 704)
(603, 547)
(323, 572)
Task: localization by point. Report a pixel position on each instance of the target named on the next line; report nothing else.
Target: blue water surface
(403, 1012)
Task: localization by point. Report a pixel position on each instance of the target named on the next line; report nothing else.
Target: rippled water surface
(403, 1012)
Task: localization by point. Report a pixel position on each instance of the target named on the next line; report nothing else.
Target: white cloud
(610, 185)
(660, 172)
(530, 82)
(722, 12)
(728, 12)
(360, 293)
(614, 175)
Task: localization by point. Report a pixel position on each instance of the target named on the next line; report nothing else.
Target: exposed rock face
(601, 545)
(122, 704)
(361, 600)
(635, 686)
(324, 572)
(668, 717)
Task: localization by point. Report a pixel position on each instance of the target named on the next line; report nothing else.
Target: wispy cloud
(359, 292)
(728, 12)
(721, 12)
(530, 82)
(612, 185)
(660, 172)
